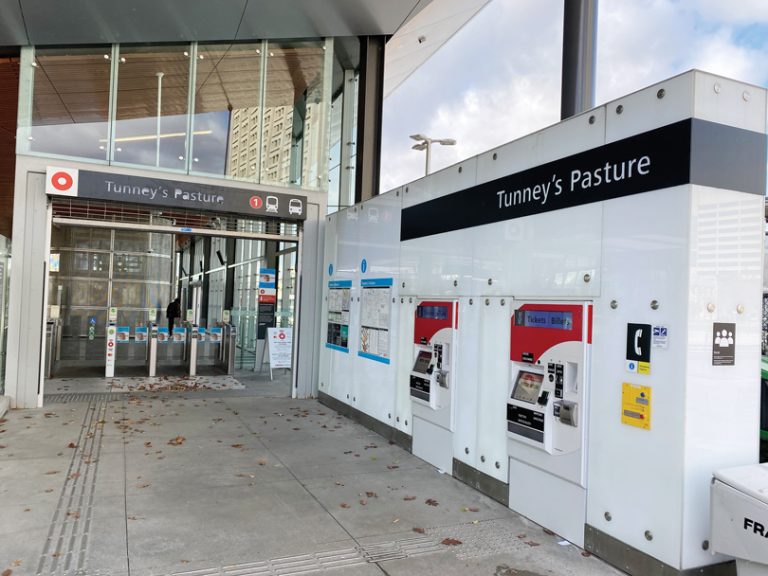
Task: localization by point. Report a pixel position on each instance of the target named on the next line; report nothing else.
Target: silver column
(579, 55)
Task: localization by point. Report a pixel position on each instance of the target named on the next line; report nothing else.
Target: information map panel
(338, 315)
(375, 313)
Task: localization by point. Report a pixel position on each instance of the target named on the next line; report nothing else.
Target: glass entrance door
(93, 270)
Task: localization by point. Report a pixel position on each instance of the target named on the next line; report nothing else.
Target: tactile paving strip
(67, 543)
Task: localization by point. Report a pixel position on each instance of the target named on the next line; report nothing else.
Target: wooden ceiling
(9, 94)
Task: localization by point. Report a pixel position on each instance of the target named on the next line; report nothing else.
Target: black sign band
(687, 152)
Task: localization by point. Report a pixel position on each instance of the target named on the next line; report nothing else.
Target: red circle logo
(281, 335)
(256, 202)
(61, 181)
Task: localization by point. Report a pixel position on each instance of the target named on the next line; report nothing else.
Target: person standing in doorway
(173, 312)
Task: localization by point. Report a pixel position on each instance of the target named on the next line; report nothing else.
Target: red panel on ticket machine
(431, 317)
(538, 327)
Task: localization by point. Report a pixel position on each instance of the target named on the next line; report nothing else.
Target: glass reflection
(70, 103)
(227, 116)
(151, 118)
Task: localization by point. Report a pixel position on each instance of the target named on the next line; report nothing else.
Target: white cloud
(499, 78)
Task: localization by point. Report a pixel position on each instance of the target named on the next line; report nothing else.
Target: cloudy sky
(499, 77)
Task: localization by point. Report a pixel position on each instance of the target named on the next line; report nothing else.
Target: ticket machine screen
(527, 386)
(422, 362)
(557, 319)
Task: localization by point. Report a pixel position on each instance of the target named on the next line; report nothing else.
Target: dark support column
(579, 54)
(369, 112)
(206, 279)
(229, 286)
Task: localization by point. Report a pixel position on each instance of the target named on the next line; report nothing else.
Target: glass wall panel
(151, 119)
(227, 120)
(70, 102)
(293, 146)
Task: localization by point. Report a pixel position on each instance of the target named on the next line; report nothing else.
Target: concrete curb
(5, 405)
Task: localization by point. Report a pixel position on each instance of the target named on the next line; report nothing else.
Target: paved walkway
(218, 482)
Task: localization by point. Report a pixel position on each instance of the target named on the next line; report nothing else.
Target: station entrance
(115, 271)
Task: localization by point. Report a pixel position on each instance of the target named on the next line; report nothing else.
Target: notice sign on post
(280, 343)
(723, 344)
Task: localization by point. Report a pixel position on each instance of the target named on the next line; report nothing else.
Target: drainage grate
(83, 397)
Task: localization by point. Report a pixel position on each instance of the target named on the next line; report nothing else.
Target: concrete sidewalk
(145, 483)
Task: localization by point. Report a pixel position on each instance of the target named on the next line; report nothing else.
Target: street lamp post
(425, 143)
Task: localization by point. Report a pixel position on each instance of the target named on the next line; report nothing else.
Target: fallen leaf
(16, 563)
(74, 475)
(74, 514)
(521, 536)
(419, 530)
(547, 531)
(586, 554)
(262, 461)
(236, 446)
(344, 505)
(178, 441)
(7, 572)
(531, 543)
(339, 483)
(431, 502)
(71, 445)
(409, 498)
(49, 490)
(393, 466)
(363, 502)
(396, 520)
(371, 494)
(450, 542)
(472, 509)
(147, 444)
(50, 472)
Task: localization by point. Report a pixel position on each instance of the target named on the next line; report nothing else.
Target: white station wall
(682, 257)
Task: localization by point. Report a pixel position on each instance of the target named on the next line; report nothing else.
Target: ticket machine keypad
(555, 373)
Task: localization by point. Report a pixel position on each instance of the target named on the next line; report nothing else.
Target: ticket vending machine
(546, 414)
(431, 381)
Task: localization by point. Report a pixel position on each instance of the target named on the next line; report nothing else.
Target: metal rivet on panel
(482, 458)
(471, 301)
(619, 109)
(406, 190)
(608, 516)
(654, 304)
(745, 96)
(389, 415)
(716, 88)
(740, 309)
(487, 301)
(358, 298)
(393, 300)
(614, 304)
(495, 155)
(587, 277)
(490, 281)
(322, 384)
(410, 300)
(503, 302)
(403, 284)
(354, 399)
(459, 169)
(710, 307)
(661, 93)
(466, 450)
(455, 282)
(592, 119)
(347, 396)
(498, 465)
(648, 535)
(406, 422)
(397, 193)
(398, 418)
(705, 545)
